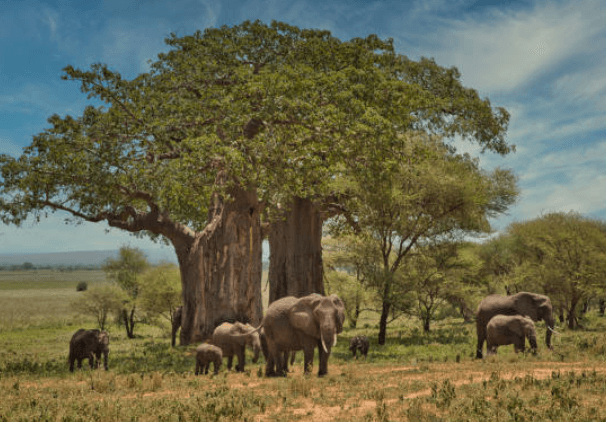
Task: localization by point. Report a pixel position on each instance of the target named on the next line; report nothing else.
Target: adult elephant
(535, 306)
(510, 329)
(232, 339)
(88, 344)
(304, 323)
(176, 324)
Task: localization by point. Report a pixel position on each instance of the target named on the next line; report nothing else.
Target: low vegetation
(416, 375)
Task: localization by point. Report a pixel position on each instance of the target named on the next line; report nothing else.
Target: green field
(415, 376)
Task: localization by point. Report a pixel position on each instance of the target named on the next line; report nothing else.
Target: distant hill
(93, 258)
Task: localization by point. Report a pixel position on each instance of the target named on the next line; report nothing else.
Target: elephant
(233, 338)
(205, 354)
(358, 343)
(176, 324)
(535, 306)
(510, 329)
(88, 344)
(304, 323)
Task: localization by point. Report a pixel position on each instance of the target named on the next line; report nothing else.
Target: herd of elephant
(292, 324)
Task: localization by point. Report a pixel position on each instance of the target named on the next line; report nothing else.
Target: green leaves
(282, 110)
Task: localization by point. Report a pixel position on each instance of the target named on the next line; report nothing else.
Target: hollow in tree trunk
(295, 244)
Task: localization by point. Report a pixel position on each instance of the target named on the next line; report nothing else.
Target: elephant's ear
(340, 307)
(302, 318)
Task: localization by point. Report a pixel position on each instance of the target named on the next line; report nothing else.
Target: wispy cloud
(503, 50)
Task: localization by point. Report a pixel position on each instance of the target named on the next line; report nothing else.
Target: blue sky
(545, 61)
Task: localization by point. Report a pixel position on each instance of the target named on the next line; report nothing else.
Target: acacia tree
(100, 301)
(125, 271)
(563, 255)
(161, 291)
(430, 194)
(230, 124)
(344, 275)
(439, 273)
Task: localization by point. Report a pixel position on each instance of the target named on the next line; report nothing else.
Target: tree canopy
(559, 254)
(228, 125)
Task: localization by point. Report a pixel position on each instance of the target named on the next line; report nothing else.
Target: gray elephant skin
(205, 354)
(289, 356)
(176, 324)
(232, 339)
(304, 323)
(88, 344)
(535, 306)
(359, 343)
(510, 329)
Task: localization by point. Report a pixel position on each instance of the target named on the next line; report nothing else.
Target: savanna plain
(415, 376)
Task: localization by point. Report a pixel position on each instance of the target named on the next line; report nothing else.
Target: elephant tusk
(324, 345)
(554, 331)
(334, 342)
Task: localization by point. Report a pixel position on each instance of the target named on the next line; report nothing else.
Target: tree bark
(383, 322)
(221, 268)
(295, 244)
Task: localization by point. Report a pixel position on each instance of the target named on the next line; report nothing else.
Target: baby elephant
(86, 344)
(205, 354)
(510, 329)
(358, 343)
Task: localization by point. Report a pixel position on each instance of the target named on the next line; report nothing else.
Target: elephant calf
(86, 344)
(358, 343)
(233, 339)
(510, 329)
(205, 354)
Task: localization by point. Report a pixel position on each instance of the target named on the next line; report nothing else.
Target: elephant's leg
(519, 344)
(280, 364)
(491, 349)
(241, 355)
(230, 361)
(308, 357)
(197, 371)
(216, 365)
(481, 330)
(269, 366)
(80, 362)
(71, 364)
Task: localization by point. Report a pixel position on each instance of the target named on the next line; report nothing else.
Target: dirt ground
(350, 391)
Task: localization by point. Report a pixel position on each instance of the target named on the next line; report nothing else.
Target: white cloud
(504, 50)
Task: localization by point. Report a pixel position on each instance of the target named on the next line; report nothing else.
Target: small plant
(82, 286)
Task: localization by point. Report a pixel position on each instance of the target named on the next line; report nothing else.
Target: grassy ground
(415, 376)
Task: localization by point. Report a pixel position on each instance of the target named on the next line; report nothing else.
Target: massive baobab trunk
(221, 268)
(295, 245)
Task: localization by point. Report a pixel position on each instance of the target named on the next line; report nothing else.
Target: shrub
(82, 286)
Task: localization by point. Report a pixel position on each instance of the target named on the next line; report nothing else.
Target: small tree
(99, 301)
(344, 277)
(425, 193)
(125, 271)
(160, 292)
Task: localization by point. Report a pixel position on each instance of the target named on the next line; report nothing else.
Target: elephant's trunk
(256, 350)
